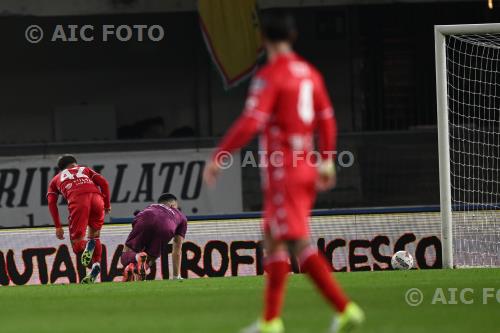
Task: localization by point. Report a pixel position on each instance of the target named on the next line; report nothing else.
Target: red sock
(78, 246)
(317, 268)
(96, 257)
(277, 267)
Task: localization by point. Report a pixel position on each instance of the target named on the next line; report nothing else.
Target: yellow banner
(232, 34)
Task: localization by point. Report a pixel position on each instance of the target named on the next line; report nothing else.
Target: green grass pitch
(226, 304)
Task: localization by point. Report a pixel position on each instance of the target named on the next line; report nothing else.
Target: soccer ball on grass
(402, 260)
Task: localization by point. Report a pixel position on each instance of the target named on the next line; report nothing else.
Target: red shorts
(288, 199)
(86, 209)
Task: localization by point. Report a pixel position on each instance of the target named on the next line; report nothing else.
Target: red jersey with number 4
(73, 182)
(287, 102)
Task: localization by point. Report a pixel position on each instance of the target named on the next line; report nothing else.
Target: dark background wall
(378, 61)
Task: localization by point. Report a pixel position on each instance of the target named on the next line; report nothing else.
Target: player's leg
(78, 219)
(136, 265)
(277, 267)
(93, 249)
(128, 257)
(299, 198)
(143, 265)
(152, 249)
(318, 269)
(316, 266)
(129, 261)
(133, 256)
(313, 263)
(94, 236)
(92, 253)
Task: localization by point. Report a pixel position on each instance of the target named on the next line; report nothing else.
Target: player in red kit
(288, 103)
(87, 194)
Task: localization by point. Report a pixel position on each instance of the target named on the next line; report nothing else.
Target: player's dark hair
(65, 160)
(278, 25)
(167, 197)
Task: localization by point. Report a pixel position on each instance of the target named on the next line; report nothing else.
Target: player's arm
(52, 197)
(176, 256)
(180, 234)
(103, 184)
(327, 130)
(258, 108)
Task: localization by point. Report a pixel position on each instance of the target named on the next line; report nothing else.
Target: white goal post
(468, 113)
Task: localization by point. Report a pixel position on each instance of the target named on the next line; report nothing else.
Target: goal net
(472, 106)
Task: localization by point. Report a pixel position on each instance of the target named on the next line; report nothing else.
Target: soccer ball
(402, 260)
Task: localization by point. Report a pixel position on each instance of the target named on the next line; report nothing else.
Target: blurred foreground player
(87, 194)
(157, 224)
(287, 103)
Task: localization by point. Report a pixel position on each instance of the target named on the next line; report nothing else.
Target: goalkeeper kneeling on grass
(156, 224)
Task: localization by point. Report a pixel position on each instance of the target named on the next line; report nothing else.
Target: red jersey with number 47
(78, 180)
(287, 103)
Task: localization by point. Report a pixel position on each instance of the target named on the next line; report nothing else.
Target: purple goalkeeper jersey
(157, 224)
